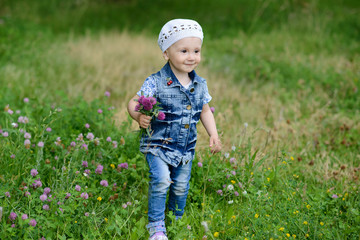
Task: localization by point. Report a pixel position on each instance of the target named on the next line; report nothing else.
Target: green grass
(289, 69)
(234, 193)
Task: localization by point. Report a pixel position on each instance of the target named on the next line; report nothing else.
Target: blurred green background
(316, 27)
(227, 17)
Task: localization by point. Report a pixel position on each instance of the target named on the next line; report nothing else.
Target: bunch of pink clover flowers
(149, 106)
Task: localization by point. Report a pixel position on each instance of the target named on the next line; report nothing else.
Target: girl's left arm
(208, 120)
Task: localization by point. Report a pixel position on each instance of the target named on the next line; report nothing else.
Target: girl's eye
(183, 51)
(197, 51)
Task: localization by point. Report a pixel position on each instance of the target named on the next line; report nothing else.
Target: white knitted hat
(178, 29)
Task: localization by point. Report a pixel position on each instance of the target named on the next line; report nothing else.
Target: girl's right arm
(142, 119)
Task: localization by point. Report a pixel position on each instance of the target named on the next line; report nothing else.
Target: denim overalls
(171, 148)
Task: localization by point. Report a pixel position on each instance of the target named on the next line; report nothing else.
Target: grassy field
(284, 77)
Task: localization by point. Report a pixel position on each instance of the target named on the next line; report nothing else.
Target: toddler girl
(184, 98)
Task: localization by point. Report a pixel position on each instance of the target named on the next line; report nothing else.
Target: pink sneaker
(158, 236)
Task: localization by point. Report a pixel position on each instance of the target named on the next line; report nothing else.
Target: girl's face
(184, 55)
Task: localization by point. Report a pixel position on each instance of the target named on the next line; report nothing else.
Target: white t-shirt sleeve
(148, 89)
(207, 97)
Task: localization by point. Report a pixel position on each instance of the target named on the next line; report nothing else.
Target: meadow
(284, 77)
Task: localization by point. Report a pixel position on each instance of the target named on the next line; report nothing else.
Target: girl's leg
(179, 189)
(158, 187)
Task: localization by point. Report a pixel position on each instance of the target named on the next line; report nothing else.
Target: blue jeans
(163, 176)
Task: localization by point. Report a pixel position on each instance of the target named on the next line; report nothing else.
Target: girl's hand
(144, 121)
(215, 145)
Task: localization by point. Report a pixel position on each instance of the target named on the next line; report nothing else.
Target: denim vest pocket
(171, 105)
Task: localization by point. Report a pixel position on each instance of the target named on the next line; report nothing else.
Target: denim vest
(174, 138)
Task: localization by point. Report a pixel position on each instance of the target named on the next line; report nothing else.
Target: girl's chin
(190, 67)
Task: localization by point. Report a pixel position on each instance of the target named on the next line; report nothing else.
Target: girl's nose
(191, 56)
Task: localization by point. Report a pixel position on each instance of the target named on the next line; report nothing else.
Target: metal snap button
(192, 90)
(186, 126)
(188, 107)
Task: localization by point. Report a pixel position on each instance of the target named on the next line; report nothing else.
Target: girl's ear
(166, 56)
